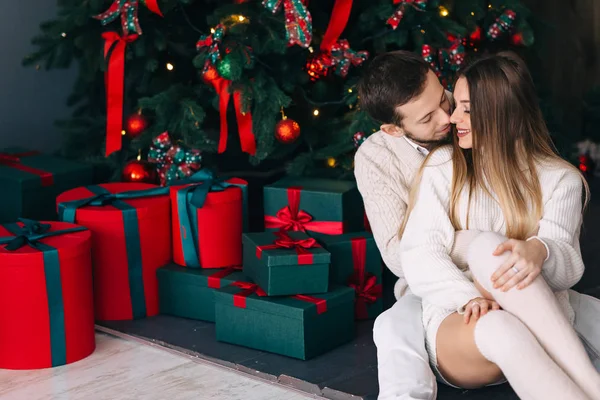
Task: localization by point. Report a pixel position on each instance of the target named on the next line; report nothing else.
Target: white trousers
(403, 364)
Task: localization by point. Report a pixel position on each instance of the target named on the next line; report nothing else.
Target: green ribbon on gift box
(30, 233)
(67, 212)
(191, 198)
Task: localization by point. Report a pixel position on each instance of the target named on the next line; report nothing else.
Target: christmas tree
(247, 84)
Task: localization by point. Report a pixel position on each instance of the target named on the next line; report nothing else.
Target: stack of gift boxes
(130, 250)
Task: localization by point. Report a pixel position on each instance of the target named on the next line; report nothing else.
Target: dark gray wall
(30, 100)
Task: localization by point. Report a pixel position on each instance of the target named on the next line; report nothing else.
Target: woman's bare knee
(459, 360)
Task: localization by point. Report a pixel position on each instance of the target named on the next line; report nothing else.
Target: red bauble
(517, 39)
(287, 131)
(140, 171)
(210, 74)
(317, 67)
(476, 35)
(135, 125)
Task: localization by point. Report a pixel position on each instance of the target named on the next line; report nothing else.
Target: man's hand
(522, 267)
(478, 307)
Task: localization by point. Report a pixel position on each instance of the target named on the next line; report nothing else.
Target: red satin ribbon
(284, 241)
(14, 161)
(290, 218)
(153, 6)
(114, 78)
(214, 280)
(320, 303)
(337, 23)
(239, 299)
(364, 284)
(244, 120)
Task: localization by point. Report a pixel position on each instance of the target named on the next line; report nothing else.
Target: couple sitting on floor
(479, 218)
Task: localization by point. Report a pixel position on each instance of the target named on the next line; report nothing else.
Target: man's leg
(587, 323)
(402, 361)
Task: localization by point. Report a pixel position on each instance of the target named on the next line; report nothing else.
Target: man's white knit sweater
(429, 234)
(384, 167)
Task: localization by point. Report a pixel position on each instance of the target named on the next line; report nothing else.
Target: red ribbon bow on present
(364, 284)
(114, 46)
(239, 299)
(291, 218)
(14, 161)
(284, 241)
(396, 18)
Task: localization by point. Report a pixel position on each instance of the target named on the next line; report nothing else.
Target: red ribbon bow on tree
(128, 10)
(396, 18)
(290, 218)
(114, 47)
(342, 56)
(298, 21)
(364, 284)
(284, 241)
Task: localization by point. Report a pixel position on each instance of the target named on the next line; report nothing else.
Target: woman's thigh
(459, 360)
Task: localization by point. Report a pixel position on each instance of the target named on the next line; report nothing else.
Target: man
(402, 92)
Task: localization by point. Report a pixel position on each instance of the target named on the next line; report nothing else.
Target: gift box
(131, 239)
(47, 316)
(356, 262)
(298, 326)
(190, 293)
(30, 182)
(286, 263)
(313, 205)
(209, 216)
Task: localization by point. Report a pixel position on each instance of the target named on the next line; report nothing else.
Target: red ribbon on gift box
(14, 161)
(214, 280)
(291, 218)
(364, 284)
(239, 299)
(284, 241)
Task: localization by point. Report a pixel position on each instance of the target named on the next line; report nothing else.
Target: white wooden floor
(121, 370)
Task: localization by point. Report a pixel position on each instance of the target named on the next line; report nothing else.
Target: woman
(506, 180)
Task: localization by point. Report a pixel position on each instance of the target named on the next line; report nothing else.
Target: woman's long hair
(509, 138)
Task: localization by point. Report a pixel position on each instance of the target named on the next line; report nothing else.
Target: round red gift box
(113, 298)
(29, 335)
(219, 223)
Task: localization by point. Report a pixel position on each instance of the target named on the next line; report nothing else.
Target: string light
(170, 66)
(473, 13)
(212, 30)
(241, 18)
(423, 31)
(444, 11)
(350, 90)
(316, 112)
(64, 34)
(489, 6)
(310, 49)
(123, 132)
(331, 162)
(139, 156)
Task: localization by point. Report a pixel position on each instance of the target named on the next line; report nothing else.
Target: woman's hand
(522, 267)
(478, 307)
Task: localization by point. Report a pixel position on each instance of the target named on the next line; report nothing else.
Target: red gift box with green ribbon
(209, 215)
(30, 182)
(190, 292)
(131, 239)
(356, 262)
(286, 263)
(313, 205)
(301, 326)
(46, 297)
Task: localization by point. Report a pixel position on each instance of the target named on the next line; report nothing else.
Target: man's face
(427, 117)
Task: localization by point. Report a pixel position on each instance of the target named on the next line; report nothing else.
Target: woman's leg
(536, 306)
(477, 354)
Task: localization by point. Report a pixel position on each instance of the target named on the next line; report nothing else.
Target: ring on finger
(515, 269)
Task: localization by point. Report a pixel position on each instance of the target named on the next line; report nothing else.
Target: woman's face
(461, 117)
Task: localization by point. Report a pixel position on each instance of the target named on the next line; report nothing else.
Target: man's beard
(429, 143)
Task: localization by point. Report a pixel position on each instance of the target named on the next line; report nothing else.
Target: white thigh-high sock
(537, 307)
(506, 341)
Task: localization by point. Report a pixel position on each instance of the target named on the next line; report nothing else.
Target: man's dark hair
(390, 81)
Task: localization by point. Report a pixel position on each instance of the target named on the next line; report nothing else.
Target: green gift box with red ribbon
(301, 326)
(190, 293)
(313, 205)
(356, 262)
(30, 182)
(286, 263)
